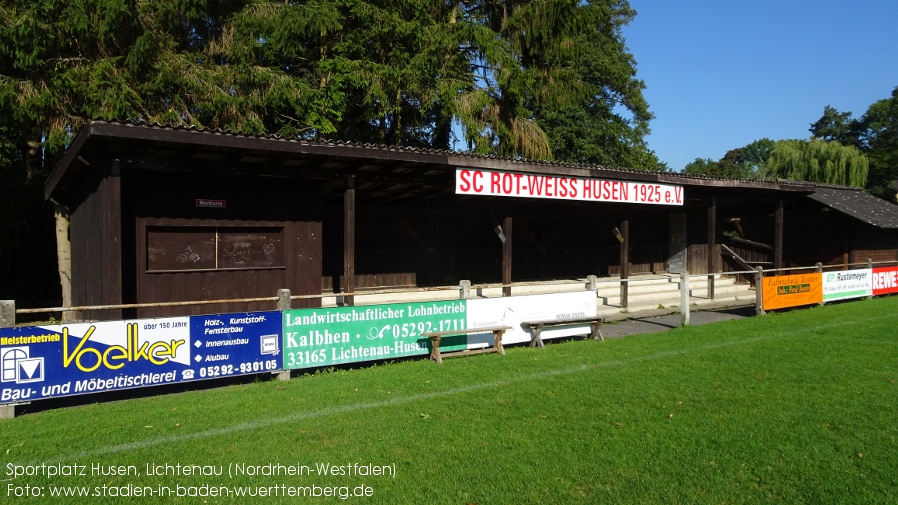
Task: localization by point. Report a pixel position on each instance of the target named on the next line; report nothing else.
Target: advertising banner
(847, 284)
(512, 311)
(62, 360)
(783, 291)
(331, 336)
(491, 183)
(885, 280)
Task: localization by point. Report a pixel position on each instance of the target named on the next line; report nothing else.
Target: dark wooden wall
(875, 244)
(422, 246)
(289, 207)
(95, 233)
(419, 245)
(812, 233)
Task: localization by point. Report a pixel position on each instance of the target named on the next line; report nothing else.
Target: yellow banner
(792, 290)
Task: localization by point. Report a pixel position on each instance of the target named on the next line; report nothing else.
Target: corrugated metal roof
(858, 204)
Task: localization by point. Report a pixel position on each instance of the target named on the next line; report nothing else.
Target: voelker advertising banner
(331, 336)
(62, 360)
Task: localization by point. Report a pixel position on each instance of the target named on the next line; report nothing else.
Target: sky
(720, 74)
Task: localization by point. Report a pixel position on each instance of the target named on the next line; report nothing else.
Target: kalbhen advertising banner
(783, 291)
(331, 336)
(39, 362)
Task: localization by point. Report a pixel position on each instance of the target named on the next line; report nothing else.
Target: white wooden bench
(437, 336)
(536, 327)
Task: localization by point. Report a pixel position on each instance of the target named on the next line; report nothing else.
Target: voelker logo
(18, 366)
(80, 351)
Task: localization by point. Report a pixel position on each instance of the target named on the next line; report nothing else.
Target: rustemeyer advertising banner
(62, 360)
(491, 183)
(783, 291)
(847, 284)
(885, 280)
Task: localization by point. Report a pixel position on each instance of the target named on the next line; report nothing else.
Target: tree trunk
(64, 259)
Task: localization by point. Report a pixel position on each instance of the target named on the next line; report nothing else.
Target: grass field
(789, 408)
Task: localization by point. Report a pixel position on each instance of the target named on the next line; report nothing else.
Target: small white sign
(211, 204)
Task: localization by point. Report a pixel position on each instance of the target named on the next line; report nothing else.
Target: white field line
(401, 400)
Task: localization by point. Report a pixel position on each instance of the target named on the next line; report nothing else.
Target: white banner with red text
(492, 183)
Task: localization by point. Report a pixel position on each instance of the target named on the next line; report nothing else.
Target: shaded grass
(789, 408)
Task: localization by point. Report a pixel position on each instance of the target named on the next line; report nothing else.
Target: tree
(748, 162)
(551, 78)
(539, 79)
(835, 126)
(875, 134)
(705, 167)
(879, 126)
(403, 70)
(604, 117)
(522, 78)
(818, 161)
(65, 62)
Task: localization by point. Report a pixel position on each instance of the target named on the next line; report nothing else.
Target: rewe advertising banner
(62, 360)
(885, 280)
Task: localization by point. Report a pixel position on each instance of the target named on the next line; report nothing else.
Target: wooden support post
(624, 262)
(464, 290)
(592, 282)
(778, 239)
(7, 320)
(712, 246)
(684, 298)
(759, 291)
(870, 267)
(818, 267)
(284, 303)
(7, 313)
(506, 257)
(349, 242)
